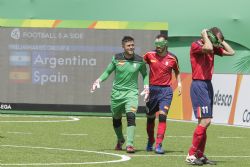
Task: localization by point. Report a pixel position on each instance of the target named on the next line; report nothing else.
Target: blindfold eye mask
(160, 44)
(213, 38)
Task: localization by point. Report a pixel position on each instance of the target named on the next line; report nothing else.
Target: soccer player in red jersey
(201, 92)
(161, 63)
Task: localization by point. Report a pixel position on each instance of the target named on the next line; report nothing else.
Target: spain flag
(20, 75)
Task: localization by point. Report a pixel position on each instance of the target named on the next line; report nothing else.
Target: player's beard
(160, 51)
(129, 53)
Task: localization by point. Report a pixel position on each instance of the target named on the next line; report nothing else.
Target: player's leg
(165, 99)
(131, 107)
(151, 107)
(117, 125)
(150, 131)
(130, 132)
(117, 108)
(160, 133)
(206, 118)
(194, 151)
(201, 147)
(203, 112)
(206, 123)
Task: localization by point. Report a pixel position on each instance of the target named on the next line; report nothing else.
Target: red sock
(199, 133)
(150, 131)
(201, 149)
(161, 132)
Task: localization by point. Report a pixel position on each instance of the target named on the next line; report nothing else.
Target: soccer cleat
(149, 146)
(130, 149)
(204, 160)
(119, 144)
(159, 149)
(192, 160)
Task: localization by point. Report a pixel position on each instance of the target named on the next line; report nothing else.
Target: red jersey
(161, 67)
(202, 63)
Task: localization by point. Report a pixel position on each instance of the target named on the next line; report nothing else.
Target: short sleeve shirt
(202, 63)
(161, 67)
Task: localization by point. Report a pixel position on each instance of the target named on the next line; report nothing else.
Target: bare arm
(228, 50)
(178, 78)
(208, 46)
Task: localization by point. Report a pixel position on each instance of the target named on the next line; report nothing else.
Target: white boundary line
(230, 137)
(31, 116)
(67, 134)
(108, 117)
(50, 116)
(123, 157)
(22, 133)
(77, 119)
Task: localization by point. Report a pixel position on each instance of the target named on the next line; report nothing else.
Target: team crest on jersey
(166, 63)
(121, 63)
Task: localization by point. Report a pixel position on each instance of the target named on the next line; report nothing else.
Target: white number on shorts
(204, 109)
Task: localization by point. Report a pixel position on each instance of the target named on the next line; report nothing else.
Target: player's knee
(150, 118)
(162, 112)
(131, 119)
(162, 117)
(205, 122)
(117, 123)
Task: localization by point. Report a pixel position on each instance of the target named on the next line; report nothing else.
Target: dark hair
(216, 31)
(126, 39)
(162, 36)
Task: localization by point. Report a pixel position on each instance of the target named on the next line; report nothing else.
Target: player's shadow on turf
(141, 150)
(167, 151)
(175, 151)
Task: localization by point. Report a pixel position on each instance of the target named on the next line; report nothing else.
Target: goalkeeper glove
(145, 92)
(95, 85)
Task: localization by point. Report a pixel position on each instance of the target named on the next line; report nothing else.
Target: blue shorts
(160, 98)
(202, 94)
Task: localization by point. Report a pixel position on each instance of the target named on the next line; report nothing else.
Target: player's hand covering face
(129, 47)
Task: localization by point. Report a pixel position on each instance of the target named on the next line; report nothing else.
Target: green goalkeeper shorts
(123, 102)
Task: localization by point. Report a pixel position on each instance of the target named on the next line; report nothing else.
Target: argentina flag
(20, 58)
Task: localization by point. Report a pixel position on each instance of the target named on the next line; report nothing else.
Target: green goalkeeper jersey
(126, 72)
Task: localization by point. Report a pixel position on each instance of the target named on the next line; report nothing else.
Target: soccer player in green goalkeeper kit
(124, 98)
